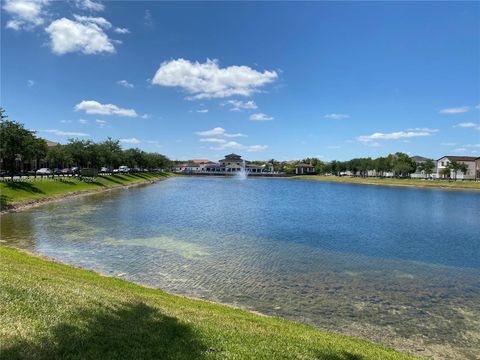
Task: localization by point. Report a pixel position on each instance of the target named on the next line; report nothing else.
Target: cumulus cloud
(409, 133)
(125, 84)
(238, 105)
(25, 14)
(334, 116)
(218, 131)
(90, 5)
(122, 30)
(260, 117)
(85, 35)
(94, 107)
(468, 125)
(64, 133)
(209, 80)
(130, 141)
(83, 121)
(457, 110)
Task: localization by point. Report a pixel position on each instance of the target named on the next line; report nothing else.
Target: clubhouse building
(231, 164)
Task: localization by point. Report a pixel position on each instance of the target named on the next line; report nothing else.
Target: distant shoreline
(462, 185)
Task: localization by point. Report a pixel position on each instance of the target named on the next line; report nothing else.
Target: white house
(473, 163)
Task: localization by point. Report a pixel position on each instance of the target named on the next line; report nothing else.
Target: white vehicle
(123, 169)
(43, 171)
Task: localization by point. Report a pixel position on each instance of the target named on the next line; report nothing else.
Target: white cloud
(409, 133)
(86, 35)
(101, 123)
(257, 148)
(218, 131)
(260, 117)
(212, 132)
(130, 141)
(83, 121)
(125, 84)
(100, 21)
(146, 116)
(235, 145)
(448, 144)
(336, 116)
(238, 105)
(147, 18)
(213, 140)
(234, 135)
(25, 14)
(122, 30)
(64, 133)
(468, 125)
(461, 149)
(202, 111)
(94, 107)
(208, 80)
(30, 83)
(90, 5)
(457, 110)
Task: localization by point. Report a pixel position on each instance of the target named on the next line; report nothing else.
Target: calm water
(397, 266)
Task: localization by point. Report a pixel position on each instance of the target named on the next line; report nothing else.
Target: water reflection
(397, 266)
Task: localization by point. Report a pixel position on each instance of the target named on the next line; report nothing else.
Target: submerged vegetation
(50, 310)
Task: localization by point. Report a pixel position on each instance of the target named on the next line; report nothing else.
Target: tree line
(20, 144)
(398, 165)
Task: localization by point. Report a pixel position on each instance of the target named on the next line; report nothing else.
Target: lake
(398, 266)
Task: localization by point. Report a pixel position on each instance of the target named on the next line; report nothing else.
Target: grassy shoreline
(23, 193)
(419, 183)
(51, 310)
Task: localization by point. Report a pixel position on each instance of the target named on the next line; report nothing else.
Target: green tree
(402, 164)
(59, 156)
(446, 171)
(16, 143)
(463, 168)
(455, 167)
(427, 167)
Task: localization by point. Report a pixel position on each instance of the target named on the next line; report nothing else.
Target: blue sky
(281, 80)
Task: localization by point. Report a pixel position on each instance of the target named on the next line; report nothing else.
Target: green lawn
(14, 192)
(54, 311)
(441, 184)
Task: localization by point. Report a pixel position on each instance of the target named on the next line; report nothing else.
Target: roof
(232, 156)
(460, 158)
(200, 161)
(51, 143)
(304, 165)
(419, 158)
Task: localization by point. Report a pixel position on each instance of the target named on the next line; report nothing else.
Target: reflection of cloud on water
(182, 248)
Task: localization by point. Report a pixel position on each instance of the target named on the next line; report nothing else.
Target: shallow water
(394, 265)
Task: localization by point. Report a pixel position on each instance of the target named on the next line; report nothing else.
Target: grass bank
(437, 184)
(50, 311)
(17, 193)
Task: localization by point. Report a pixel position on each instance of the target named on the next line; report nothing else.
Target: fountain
(243, 173)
